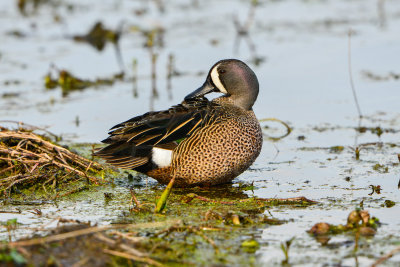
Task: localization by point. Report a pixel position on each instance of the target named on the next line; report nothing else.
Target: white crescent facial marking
(161, 157)
(217, 81)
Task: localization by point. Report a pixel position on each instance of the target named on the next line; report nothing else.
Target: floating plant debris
(99, 36)
(376, 77)
(69, 82)
(358, 221)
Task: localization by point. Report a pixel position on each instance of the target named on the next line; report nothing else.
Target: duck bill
(206, 88)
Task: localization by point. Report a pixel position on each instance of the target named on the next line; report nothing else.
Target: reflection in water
(381, 14)
(134, 78)
(99, 36)
(360, 116)
(77, 121)
(154, 39)
(154, 92)
(242, 31)
(170, 73)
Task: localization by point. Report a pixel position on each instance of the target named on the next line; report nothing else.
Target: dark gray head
(233, 78)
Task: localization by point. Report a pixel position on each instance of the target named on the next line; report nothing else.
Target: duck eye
(221, 71)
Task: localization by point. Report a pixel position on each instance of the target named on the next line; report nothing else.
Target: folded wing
(131, 143)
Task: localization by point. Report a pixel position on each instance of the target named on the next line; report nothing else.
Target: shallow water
(304, 78)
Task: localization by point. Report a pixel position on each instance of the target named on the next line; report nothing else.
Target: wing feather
(130, 143)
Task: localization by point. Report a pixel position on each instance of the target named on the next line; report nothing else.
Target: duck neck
(243, 101)
(238, 101)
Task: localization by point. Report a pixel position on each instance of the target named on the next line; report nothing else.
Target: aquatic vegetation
(358, 222)
(200, 231)
(285, 246)
(70, 83)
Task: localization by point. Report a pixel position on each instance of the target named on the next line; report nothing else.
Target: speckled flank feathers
(211, 142)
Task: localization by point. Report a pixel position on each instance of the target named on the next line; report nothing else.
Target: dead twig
(86, 231)
(386, 257)
(114, 243)
(287, 201)
(189, 197)
(59, 237)
(133, 239)
(135, 199)
(132, 257)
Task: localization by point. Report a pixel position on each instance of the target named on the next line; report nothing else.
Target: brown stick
(133, 239)
(91, 230)
(135, 199)
(18, 181)
(114, 243)
(386, 257)
(192, 196)
(7, 169)
(132, 257)
(287, 201)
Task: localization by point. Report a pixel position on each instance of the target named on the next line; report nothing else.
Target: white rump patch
(216, 80)
(161, 157)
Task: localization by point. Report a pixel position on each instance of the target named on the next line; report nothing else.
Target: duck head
(234, 79)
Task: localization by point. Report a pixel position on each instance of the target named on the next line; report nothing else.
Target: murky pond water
(300, 53)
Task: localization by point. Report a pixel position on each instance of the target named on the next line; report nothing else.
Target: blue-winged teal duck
(200, 142)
